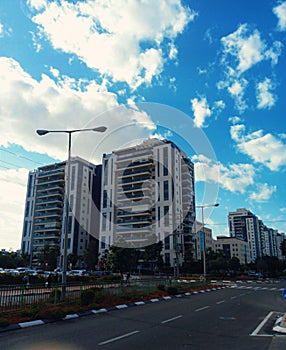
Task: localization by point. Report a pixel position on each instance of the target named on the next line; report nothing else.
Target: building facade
(233, 247)
(148, 196)
(202, 240)
(45, 209)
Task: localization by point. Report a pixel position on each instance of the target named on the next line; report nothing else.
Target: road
(240, 317)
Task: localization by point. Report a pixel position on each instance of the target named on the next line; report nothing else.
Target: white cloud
(12, 200)
(262, 193)
(247, 48)
(126, 40)
(4, 30)
(280, 12)
(234, 120)
(201, 111)
(63, 104)
(236, 90)
(234, 177)
(264, 96)
(241, 50)
(266, 149)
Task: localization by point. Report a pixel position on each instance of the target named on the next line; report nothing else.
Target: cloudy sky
(207, 74)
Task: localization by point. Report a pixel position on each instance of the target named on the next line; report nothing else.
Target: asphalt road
(233, 318)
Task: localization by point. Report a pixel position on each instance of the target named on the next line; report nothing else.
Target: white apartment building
(148, 196)
(233, 247)
(244, 225)
(45, 212)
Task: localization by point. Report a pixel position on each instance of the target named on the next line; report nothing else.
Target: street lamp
(204, 237)
(42, 132)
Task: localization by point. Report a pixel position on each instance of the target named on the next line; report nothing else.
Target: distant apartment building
(233, 247)
(244, 225)
(262, 240)
(202, 240)
(148, 196)
(45, 211)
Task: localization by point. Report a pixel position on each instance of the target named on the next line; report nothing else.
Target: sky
(209, 75)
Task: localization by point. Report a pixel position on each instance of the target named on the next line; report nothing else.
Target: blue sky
(207, 74)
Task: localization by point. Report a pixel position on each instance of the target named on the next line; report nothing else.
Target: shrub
(172, 290)
(31, 311)
(87, 297)
(55, 295)
(161, 287)
(4, 322)
(55, 312)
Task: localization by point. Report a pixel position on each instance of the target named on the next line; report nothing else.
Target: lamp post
(42, 132)
(204, 237)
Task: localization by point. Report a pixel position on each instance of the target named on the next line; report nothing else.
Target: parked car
(77, 273)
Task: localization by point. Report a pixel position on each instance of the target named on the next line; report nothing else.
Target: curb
(22, 325)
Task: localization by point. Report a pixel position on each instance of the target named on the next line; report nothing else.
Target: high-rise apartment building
(45, 211)
(148, 196)
(262, 240)
(243, 224)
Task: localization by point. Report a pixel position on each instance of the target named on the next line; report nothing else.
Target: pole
(204, 247)
(66, 227)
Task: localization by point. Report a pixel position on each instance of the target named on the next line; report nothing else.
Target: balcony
(47, 207)
(56, 185)
(48, 214)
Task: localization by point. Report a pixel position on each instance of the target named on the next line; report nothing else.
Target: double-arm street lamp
(67, 195)
(202, 207)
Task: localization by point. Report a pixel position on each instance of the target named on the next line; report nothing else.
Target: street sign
(284, 293)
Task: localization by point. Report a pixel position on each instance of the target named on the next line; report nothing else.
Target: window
(167, 242)
(103, 221)
(165, 161)
(166, 215)
(102, 244)
(104, 200)
(166, 190)
(72, 178)
(105, 171)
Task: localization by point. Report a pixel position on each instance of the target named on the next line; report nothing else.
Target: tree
(91, 254)
(152, 254)
(49, 256)
(121, 259)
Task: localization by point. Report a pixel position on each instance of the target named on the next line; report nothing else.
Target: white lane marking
(220, 302)
(258, 328)
(118, 338)
(202, 308)
(172, 319)
(242, 295)
(234, 297)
